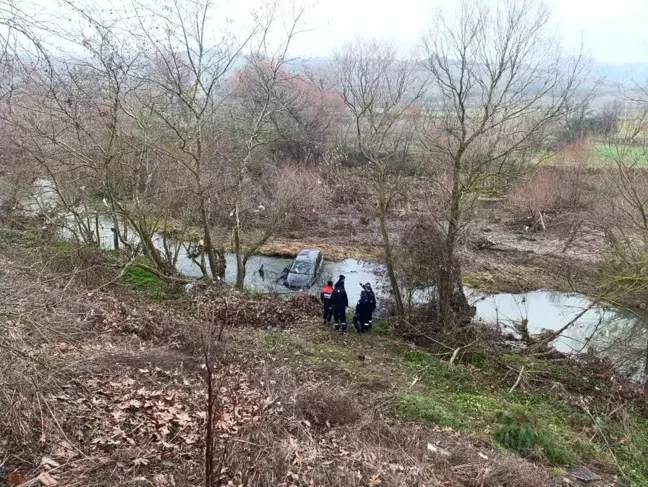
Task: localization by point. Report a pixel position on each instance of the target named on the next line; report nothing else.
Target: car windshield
(301, 267)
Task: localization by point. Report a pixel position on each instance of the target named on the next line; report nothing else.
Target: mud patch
(332, 252)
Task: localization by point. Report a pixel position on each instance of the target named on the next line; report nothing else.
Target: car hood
(298, 280)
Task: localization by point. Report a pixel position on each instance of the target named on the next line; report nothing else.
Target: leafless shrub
(348, 189)
(39, 321)
(473, 471)
(421, 253)
(561, 188)
(326, 406)
(83, 264)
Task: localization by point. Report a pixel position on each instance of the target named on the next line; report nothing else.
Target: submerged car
(304, 270)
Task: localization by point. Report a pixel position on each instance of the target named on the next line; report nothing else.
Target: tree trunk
(97, 230)
(150, 250)
(389, 256)
(240, 271)
(216, 258)
(240, 258)
(115, 228)
(448, 277)
(646, 364)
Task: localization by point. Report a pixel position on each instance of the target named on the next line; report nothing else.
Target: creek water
(356, 272)
(542, 309)
(552, 311)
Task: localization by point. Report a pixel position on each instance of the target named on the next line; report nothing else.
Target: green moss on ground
(144, 281)
(474, 397)
(538, 425)
(10, 236)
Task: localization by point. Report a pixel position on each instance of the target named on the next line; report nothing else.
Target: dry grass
(471, 470)
(39, 321)
(90, 363)
(333, 252)
(359, 445)
(326, 405)
(320, 439)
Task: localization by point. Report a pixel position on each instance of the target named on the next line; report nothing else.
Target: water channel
(542, 309)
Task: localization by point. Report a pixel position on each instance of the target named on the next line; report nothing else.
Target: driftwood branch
(551, 337)
(455, 354)
(517, 382)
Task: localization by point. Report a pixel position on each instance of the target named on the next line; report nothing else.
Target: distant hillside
(613, 78)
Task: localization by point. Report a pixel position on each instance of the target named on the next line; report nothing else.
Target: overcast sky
(614, 31)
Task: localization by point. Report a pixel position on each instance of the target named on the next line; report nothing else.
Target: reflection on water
(551, 310)
(613, 333)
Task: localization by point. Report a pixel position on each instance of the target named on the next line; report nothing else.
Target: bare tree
(257, 100)
(622, 214)
(186, 67)
(66, 119)
(498, 84)
(381, 93)
(20, 56)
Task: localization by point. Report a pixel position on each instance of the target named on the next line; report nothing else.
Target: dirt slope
(102, 388)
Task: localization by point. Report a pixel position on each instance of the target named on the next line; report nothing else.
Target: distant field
(629, 128)
(631, 155)
(597, 154)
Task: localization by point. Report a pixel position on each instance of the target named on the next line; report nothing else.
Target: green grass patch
(473, 397)
(520, 431)
(380, 327)
(440, 376)
(276, 340)
(415, 407)
(10, 236)
(146, 282)
(628, 154)
(141, 278)
(313, 352)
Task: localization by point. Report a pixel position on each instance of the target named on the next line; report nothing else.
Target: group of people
(335, 302)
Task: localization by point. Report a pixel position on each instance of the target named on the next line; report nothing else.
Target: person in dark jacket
(339, 302)
(364, 309)
(359, 310)
(325, 297)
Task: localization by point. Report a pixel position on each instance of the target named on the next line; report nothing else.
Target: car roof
(308, 254)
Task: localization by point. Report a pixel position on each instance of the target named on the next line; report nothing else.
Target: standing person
(339, 302)
(325, 297)
(360, 310)
(369, 308)
(364, 309)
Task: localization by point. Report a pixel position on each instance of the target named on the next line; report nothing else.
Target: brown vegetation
(182, 142)
(105, 389)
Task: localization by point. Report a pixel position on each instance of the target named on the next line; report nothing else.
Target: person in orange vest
(325, 297)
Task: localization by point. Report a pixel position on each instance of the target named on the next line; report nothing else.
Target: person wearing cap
(325, 297)
(365, 308)
(339, 302)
